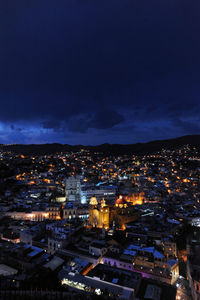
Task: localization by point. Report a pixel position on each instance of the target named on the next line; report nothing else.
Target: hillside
(106, 148)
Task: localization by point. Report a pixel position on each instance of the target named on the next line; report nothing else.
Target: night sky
(95, 71)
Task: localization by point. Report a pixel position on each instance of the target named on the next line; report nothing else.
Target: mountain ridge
(137, 148)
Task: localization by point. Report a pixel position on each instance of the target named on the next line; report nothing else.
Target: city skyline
(99, 150)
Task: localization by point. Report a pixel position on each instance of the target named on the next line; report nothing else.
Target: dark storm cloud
(76, 66)
(106, 119)
(189, 126)
(100, 120)
(52, 124)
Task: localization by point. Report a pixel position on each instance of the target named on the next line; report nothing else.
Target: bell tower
(93, 212)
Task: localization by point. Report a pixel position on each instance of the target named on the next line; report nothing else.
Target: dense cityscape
(99, 150)
(86, 225)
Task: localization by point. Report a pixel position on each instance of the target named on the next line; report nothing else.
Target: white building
(77, 191)
(107, 194)
(73, 189)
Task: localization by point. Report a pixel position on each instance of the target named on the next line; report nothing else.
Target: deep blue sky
(94, 71)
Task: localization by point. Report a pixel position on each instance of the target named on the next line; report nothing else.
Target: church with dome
(102, 215)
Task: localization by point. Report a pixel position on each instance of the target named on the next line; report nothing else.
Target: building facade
(73, 189)
(106, 216)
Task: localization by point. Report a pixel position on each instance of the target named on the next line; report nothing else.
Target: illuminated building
(135, 198)
(103, 215)
(147, 261)
(53, 211)
(71, 211)
(36, 216)
(98, 215)
(73, 189)
(100, 192)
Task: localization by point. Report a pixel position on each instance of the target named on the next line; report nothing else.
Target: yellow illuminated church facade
(102, 215)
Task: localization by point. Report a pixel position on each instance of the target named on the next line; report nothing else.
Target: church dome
(120, 202)
(93, 201)
(103, 203)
